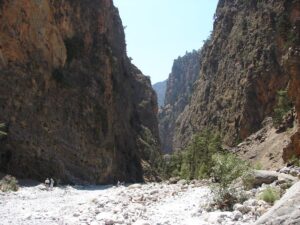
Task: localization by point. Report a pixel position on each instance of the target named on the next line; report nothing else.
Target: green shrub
(283, 105)
(227, 168)
(294, 160)
(257, 166)
(8, 183)
(2, 133)
(270, 195)
(195, 162)
(284, 25)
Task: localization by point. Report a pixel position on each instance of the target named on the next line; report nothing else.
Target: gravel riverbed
(135, 204)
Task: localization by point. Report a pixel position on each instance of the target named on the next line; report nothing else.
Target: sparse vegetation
(227, 168)
(204, 158)
(283, 25)
(9, 183)
(270, 195)
(283, 106)
(2, 132)
(196, 160)
(294, 160)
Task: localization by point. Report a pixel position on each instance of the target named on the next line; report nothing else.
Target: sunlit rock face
(75, 107)
(244, 64)
(185, 71)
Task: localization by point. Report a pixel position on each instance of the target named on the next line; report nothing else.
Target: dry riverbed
(136, 204)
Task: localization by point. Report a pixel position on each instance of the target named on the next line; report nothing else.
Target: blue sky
(158, 31)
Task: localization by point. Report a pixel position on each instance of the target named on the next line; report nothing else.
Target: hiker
(47, 183)
(51, 183)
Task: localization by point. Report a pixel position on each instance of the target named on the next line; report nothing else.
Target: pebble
(141, 222)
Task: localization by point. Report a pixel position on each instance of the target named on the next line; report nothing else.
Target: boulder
(134, 186)
(264, 177)
(174, 180)
(286, 211)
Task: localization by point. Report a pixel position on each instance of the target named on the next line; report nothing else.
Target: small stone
(134, 186)
(153, 192)
(237, 215)
(174, 180)
(182, 182)
(251, 202)
(242, 208)
(141, 222)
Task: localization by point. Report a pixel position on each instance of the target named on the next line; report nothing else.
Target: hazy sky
(158, 31)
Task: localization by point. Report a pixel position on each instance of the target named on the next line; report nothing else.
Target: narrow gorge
(86, 138)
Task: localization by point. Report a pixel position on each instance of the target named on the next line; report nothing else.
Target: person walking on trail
(51, 183)
(47, 183)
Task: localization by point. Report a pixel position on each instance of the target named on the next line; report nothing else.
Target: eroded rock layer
(75, 107)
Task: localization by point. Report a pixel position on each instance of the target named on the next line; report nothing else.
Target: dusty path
(154, 204)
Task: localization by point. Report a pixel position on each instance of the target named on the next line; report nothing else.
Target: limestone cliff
(180, 83)
(75, 107)
(242, 69)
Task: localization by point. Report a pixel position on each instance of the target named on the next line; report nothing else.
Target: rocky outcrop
(285, 211)
(160, 89)
(242, 69)
(265, 147)
(180, 83)
(76, 109)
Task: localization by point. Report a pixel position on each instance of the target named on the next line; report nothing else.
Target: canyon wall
(76, 109)
(179, 90)
(242, 68)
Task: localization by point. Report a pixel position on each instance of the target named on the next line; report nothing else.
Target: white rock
(251, 202)
(134, 186)
(242, 208)
(237, 215)
(141, 222)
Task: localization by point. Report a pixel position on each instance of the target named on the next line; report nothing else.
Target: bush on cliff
(283, 105)
(2, 133)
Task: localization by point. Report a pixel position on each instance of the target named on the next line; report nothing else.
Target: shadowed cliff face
(180, 83)
(75, 107)
(292, 64)
(241, 71)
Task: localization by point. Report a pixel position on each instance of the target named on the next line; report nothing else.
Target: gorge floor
(153, 204)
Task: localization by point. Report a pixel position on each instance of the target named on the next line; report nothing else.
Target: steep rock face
(185, 71)
(160, 89)
(242, 69)
(75, 107)
(292, 65)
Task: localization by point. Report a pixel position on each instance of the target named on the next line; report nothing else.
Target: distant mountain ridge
(160, 89)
